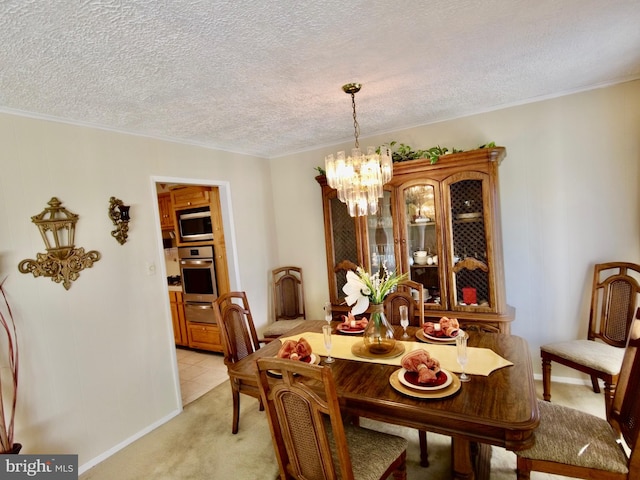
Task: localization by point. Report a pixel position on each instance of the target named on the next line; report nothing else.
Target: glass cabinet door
(380, 249)
(345, 246)
(421, 238)
(469, 252)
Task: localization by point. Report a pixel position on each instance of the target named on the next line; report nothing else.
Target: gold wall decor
(62, 262)
(119, 215)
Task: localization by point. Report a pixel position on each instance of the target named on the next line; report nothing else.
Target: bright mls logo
(50, 467)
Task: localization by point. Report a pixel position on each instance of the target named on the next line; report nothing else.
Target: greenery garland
(404, 153)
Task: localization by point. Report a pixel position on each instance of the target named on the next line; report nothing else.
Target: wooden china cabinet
(449, 213)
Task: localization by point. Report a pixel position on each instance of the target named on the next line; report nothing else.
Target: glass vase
(379, 336)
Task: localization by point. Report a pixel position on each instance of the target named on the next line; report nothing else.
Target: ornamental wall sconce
(119, 215)
(62, 262)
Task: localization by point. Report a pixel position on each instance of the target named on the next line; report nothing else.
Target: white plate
(407, 383)
(420, 335)
(439, 339)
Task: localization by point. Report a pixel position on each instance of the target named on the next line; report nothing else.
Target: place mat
(359, 349)
(394, 380)
(482, 361)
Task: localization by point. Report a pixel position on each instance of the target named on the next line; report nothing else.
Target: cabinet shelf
(422, 224)
(468, 220)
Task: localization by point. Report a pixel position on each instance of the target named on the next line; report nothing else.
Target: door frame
(224, 188)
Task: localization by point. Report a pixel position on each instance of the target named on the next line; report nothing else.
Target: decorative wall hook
(119, 215)
(62, 262)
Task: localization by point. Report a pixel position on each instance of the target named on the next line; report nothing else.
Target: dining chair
(392, 303)
(239, 339)
(577, 444)
(310, 439)
(288, 301)
(403, 296)
(614, 296)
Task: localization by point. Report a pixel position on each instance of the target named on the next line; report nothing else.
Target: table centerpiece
(366, 291)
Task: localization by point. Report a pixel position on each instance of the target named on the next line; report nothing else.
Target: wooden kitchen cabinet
(190, 197)
(205, 336)
(449, 212)
(177, 317)
(166, 211)
(219, 245)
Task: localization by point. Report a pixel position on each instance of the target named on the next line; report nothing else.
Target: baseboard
(103, 456)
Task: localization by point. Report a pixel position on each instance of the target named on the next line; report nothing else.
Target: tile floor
(199, 372)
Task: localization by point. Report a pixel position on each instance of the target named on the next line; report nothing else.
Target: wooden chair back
(340, 279)
(614, 299)
(403, 296)
(624, 414)
(299, 417)
(239, 337)
(288, 293)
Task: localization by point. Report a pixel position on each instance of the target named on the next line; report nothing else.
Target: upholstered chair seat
(576, 438)
(592, 354)
(280, 327)
(371, 452)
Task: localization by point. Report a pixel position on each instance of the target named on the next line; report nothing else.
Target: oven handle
(201, 306)
(196, 262)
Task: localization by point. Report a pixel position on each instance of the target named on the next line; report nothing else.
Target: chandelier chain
(356, 127)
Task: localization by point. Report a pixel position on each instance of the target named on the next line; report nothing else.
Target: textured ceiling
(264, 77)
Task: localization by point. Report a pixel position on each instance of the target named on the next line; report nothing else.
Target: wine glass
(327, 312)
(461, 346)
(404, 319)
(326, 331)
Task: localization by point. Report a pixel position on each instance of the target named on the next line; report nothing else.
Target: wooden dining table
(499, 409)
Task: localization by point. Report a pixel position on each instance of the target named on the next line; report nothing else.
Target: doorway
(196, 371)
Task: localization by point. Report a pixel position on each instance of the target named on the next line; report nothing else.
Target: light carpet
(198, 444)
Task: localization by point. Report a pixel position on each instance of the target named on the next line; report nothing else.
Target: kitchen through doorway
(198, 350)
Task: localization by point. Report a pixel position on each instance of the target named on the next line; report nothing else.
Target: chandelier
(359, 178)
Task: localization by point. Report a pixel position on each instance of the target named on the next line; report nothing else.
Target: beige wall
(97, 366)
(569, 191)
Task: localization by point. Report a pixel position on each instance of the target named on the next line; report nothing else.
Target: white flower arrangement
(363, 288)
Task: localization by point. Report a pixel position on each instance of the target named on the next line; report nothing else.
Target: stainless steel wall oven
(199, 286)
